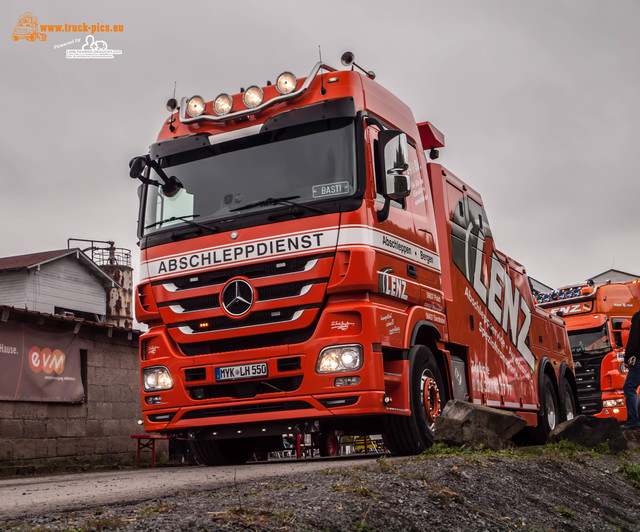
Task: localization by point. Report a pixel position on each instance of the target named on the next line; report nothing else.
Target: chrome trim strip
(245, 112)
(188, 330)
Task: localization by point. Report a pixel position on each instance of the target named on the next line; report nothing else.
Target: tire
(569, 405)
(223, 452)
(413, 434)
(548, 416)
(329, 444)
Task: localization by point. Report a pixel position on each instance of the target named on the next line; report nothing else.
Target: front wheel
(415, 433)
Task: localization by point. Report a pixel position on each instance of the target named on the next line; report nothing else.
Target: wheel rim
(571, 409)
(333, 446)
(550, 409)
(430, 394)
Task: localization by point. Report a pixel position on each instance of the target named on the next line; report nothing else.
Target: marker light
(223, 104)
(253, 96)
(286, 83)
(195, 106)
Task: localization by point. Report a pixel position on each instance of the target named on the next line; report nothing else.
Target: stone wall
(98, 429)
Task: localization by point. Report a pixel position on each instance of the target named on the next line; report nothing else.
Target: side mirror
(394, 155)
(626, 326)
(137, 166)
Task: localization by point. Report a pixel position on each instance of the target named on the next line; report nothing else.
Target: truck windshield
(590, 341)
(311, 163)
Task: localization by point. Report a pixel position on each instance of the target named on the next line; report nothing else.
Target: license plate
(245, 371)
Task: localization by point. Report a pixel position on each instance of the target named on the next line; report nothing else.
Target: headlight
(222, 104)
(286, 83)
(253, 96)
(340, 358)
(608, 403)
(195, 106)
(156, 378)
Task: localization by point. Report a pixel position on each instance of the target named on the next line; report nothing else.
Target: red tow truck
(306, 269)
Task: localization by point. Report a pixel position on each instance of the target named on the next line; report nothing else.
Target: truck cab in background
(595, 316)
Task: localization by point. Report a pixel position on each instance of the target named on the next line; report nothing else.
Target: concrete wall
(98, 429)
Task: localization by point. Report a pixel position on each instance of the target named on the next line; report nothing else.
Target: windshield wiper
(286, 201)
(186, 219)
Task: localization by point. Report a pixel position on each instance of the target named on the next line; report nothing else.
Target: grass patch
(563, 511)
(631, 473)
(155, 508)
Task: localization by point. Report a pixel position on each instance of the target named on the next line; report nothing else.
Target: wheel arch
(426, 333)
(545, 367)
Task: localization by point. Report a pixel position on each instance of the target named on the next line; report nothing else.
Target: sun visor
(164, 148)
(341, 107)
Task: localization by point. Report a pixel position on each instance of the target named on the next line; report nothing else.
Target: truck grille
(588, 383)
(235, 410)
(288, 292)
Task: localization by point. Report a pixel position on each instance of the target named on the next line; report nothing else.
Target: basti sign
(39, 364)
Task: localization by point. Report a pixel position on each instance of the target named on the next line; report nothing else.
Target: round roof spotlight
(286, 83)
(195, 106)
(253, 96)
(576, 292)
(223, 104)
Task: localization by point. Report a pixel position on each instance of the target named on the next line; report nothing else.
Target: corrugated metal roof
(34, 260)
(31, 260)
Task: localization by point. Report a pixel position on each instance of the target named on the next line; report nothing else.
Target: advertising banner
(39, 364)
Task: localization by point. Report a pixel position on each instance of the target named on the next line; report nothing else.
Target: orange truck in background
(595, 316)
(306, 269)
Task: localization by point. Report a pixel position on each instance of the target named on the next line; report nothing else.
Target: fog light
(347, 381)
(223, 104)
(253, 96)
(156, 378)
(340, 358)
(286, 83)
(195, 106)
(153, 400)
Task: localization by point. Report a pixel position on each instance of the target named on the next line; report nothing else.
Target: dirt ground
(553, 487)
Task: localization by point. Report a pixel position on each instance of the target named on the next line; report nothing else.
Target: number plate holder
(241, 372)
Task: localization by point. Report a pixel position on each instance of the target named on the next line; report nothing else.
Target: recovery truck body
(595, 316)
(306, 269)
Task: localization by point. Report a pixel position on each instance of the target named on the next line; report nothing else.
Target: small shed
(615, 276)
(64, 282)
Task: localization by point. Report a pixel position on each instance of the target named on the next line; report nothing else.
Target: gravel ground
(555, 487)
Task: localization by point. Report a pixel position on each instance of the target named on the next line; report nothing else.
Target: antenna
(172, 104)
(323, 91)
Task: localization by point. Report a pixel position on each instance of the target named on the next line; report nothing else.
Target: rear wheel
(413, 434)
(223, 452)
(549, 414)
(568, 401)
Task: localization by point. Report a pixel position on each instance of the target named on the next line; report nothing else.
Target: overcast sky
(539, 102)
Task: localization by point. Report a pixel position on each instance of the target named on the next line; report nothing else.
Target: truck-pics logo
(27, 29)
